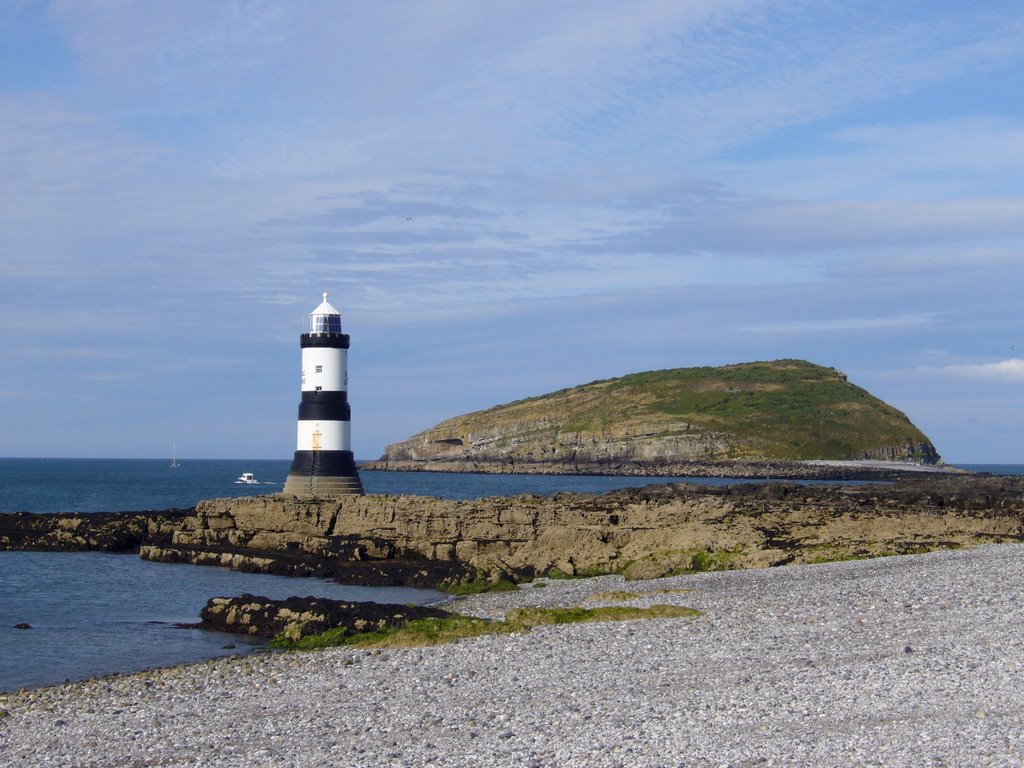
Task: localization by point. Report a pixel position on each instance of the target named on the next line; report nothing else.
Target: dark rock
(297, 617)
(330, 562)
(752, 470)
(103, 531)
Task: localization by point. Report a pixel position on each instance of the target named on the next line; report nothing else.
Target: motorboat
(247, 478)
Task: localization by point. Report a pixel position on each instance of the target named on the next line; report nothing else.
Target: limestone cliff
(785, 410)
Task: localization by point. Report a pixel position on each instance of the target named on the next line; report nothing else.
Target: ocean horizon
(131, 485)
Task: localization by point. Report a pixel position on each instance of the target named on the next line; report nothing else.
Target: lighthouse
(324, 464)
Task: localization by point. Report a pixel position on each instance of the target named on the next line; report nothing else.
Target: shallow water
(95, 613)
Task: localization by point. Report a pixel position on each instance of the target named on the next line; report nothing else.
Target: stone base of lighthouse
(323, 474)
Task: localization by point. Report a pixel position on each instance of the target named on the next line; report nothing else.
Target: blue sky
(503, 199)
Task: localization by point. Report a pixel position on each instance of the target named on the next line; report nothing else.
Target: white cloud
(573, 85)
(972, 143)
(626, 186)
(1003, 372)
(188, 41)
(825, 325)
(51, 151)
(946, 158)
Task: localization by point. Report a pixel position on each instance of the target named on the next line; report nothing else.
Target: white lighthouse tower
(324, 464)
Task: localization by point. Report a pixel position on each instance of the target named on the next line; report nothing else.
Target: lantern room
(325, 318)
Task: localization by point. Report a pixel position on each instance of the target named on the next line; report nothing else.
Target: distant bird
(408, 218)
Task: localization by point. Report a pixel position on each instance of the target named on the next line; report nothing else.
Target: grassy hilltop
(783, 410)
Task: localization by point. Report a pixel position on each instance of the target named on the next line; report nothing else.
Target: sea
(93, 614)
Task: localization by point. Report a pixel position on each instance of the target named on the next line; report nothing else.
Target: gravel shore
(908, 661)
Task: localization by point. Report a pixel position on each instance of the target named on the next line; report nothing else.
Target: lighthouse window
(319, 369)
(327, 324)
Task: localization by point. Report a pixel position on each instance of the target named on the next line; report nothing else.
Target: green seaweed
(438, 631)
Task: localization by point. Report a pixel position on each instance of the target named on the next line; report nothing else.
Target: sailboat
(174, 457)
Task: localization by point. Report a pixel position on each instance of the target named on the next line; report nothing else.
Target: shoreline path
(905, 661)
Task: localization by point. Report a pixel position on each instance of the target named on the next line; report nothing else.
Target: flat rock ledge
(649, 532)
(642, 533)
(297, 617)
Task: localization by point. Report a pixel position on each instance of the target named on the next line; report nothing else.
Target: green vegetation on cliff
(783, 410)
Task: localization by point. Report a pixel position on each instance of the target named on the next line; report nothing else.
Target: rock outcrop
(102, 531)
(663, 421)
(884, 470)
(640, 532)
(297, 617)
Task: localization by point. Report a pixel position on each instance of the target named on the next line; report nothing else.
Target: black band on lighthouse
(324, 396)
(331, 340)
(328, 463)
(325, 412)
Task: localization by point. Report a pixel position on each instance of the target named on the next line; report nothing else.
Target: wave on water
(94, 613)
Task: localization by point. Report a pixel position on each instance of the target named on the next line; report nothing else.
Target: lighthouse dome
(325, 318)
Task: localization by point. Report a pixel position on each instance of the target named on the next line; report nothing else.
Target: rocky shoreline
(641, 533)
(907, 661)
(824, 663)
(298, 617)
(744, 470)
(83, 532)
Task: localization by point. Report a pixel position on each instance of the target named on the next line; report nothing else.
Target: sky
(502, 199)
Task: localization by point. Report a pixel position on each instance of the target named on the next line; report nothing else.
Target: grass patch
(447, 630)
(426, 632)
(331, 637)
(680, 562)
(621, 595)
(555, 573)
(833, 553)
(840, 558)
(527, 618)
(704, 560)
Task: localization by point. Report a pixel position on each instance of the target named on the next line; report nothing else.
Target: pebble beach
(902, 661)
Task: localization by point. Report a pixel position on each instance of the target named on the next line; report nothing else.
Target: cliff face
(640, 532)
(786, 410)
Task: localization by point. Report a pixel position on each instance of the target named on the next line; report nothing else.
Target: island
(779, 419)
